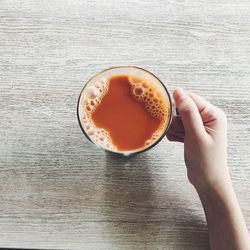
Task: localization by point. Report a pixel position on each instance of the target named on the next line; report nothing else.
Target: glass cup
(124, 70)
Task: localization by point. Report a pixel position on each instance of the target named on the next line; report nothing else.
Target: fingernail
(179, 94)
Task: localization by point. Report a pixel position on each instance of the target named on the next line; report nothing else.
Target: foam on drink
(154, 102)
(143, 91)
(92, 97)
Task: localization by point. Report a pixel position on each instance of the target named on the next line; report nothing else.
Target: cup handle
(175, 111)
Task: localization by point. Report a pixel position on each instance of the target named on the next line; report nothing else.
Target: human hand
(202, 128)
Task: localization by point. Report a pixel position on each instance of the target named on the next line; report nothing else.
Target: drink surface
(125, 113)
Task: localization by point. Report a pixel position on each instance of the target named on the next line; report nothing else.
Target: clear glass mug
(125, 70)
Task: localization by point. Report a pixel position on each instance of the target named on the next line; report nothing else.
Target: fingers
(210, 114)
(200, 102)
(199, 118)
(189, 113)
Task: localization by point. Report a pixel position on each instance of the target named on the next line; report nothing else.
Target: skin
(202, 128)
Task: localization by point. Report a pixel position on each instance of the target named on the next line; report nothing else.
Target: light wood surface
(57, 190)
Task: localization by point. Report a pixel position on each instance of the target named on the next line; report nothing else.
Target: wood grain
(59, 191)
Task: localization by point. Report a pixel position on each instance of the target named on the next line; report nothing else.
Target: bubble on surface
(138, 91)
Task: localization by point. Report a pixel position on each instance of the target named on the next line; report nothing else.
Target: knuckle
(221, 114)
(218, 114)
(208, 109)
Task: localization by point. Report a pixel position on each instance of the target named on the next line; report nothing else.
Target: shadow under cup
(116, 71)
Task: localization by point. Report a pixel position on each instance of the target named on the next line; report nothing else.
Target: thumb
(189, 113)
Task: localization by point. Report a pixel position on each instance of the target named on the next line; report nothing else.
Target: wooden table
(57, 190)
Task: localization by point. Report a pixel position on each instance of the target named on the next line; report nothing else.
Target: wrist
(213, 193)
(214, 186)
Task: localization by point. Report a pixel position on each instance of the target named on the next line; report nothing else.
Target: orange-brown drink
(124, 110)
